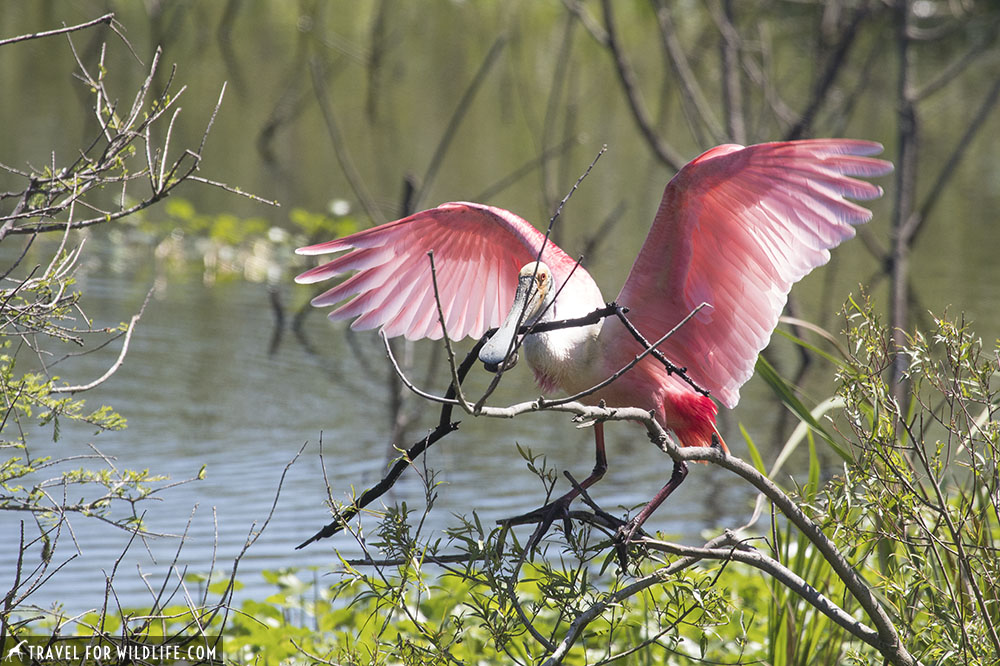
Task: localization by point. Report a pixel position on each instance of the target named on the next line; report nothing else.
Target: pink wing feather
(736, 228)
(478, 251)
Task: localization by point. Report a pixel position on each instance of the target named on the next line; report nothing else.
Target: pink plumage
(478, 251)
(735, 229)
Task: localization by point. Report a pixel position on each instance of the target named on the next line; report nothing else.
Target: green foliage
(417, 613)
(317, 225)
(34, 396)
(224, 228)
(914, 509)
(920, 507)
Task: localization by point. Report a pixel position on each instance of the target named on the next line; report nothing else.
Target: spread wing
(478, 251)
(736, 228)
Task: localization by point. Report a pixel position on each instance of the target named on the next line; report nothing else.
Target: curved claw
(624, 537)
(544, 515)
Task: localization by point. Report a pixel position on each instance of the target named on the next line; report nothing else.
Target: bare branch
(732, 91)
(887, 642)
(451, 129)
(409, 384)
(834, 64)
(691, 93)
(107, 19)
(671, 368)
(339, 147)
(663, 151)
(118, 362)
(915, 223)
(951, 72)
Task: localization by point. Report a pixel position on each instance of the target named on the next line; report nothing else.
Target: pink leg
(678, 475)
(559, 507)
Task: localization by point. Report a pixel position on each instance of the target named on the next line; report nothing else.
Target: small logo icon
(15, 651)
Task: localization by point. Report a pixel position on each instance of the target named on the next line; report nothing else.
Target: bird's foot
(624, 538)
(547, 514)
(544, 516)
(716, 442)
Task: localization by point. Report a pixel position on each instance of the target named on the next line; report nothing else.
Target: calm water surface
(205, 385)
(200, 386)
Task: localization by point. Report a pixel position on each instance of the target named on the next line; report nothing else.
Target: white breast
(567, 358)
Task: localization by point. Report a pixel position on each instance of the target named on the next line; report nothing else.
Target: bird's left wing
(478, 251)
(735, 229)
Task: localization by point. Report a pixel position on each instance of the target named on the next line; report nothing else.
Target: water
(200, 386)
(203, 383)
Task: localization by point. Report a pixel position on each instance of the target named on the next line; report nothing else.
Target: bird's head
(535, 293)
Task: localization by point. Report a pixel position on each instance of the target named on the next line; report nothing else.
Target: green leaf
(786, 394)
(755, 456)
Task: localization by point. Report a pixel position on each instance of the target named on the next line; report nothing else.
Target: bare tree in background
(124, 169)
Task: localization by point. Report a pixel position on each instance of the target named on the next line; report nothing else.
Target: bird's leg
(608, 520)
(629, 530)
(559, 508)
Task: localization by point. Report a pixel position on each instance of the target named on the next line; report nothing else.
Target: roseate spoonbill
(736, 227)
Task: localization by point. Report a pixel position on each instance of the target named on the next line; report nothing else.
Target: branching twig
(107, 19)
(118, 362)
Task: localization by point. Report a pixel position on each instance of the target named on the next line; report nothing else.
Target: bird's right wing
(478, 251)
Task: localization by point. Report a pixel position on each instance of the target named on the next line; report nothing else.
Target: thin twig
(354, 178)
(834, 64)
(647, 351)
(107, 19)
(451, 129)
(447, 341)
(526, 168)
(236, 190)
(916, 221)
(691, 93)
(409, 384)
(669, 365)
(515, 342)
(118, 362)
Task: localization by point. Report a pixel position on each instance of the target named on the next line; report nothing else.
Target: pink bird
(736, 227)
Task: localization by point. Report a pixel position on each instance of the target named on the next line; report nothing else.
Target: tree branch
(661, 149)
(118, 362)
(107, 19)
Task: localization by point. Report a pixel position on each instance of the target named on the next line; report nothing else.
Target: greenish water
(202, 383)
